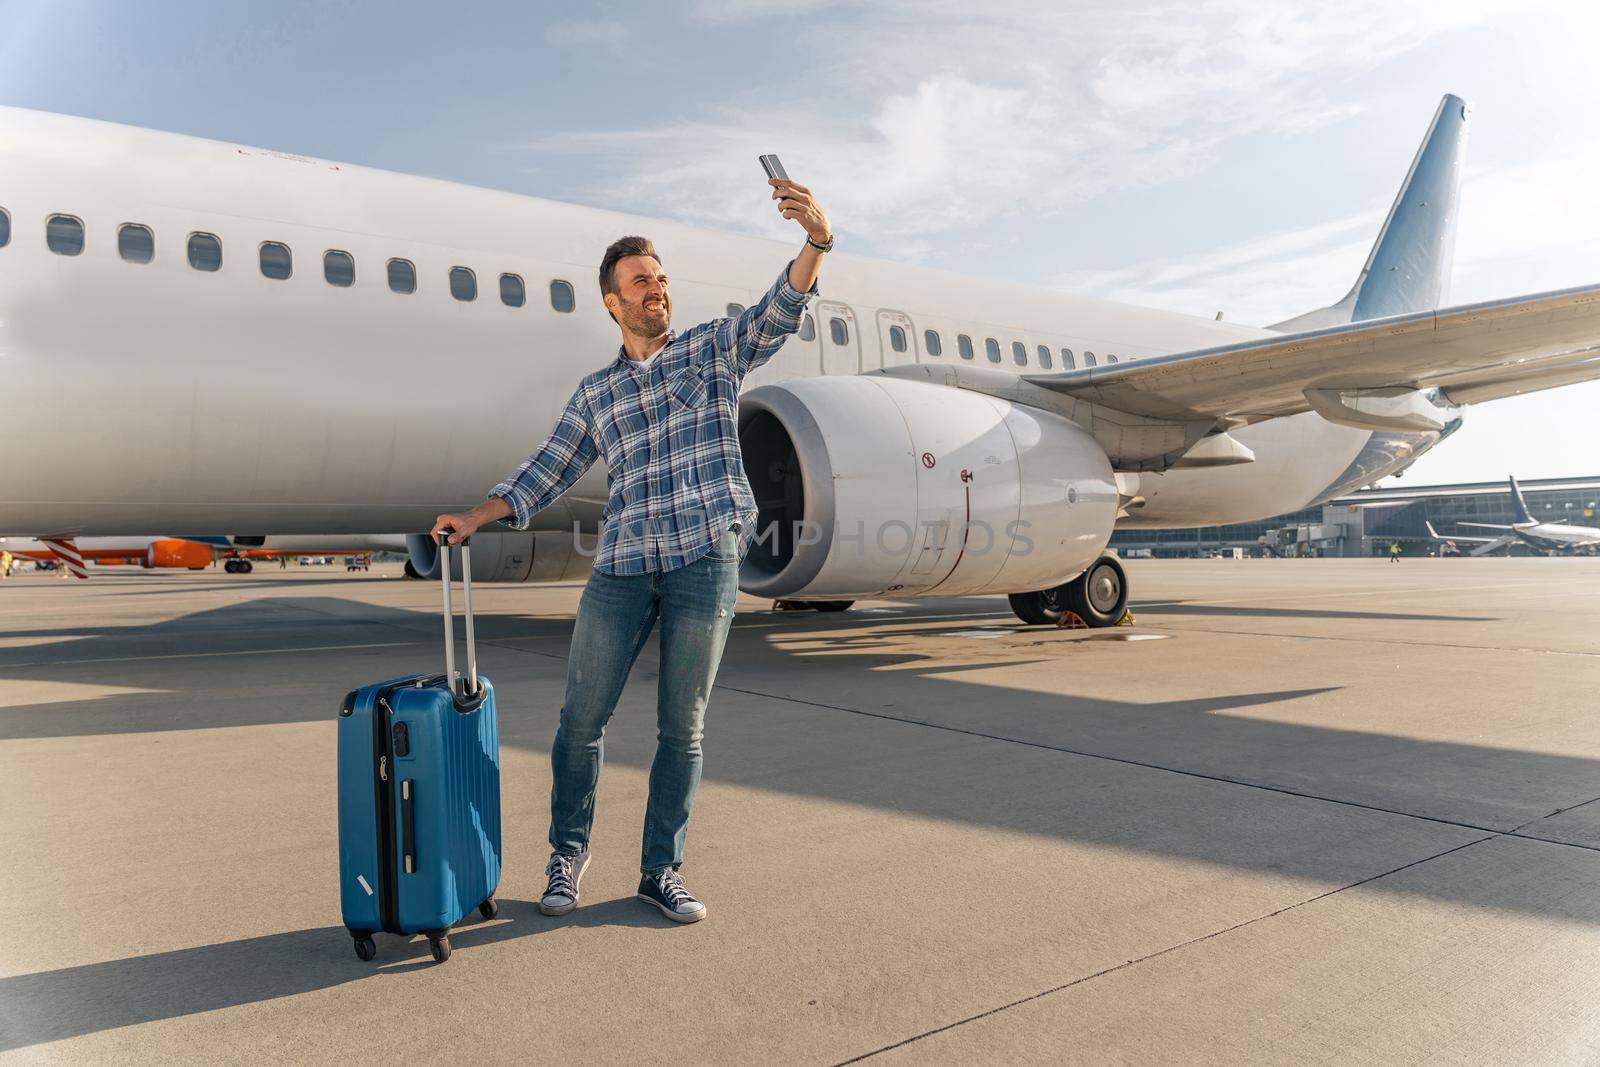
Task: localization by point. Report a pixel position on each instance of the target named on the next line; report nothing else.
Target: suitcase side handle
(468, 695)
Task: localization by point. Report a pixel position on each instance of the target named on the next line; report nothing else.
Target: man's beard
(640, 322)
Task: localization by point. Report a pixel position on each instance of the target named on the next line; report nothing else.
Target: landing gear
(831, 605)
(411, 572)
(238, 566)
(1099, 596)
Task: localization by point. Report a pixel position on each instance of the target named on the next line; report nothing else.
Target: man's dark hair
(620, 249)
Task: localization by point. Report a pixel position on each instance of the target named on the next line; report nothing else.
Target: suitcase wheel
(489, 908)
(440, 947)
(365, 949)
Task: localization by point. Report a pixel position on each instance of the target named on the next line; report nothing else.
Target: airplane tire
(411, 572)
(1042, 608)
(245, 566)
(230, 565)
(1100, 594)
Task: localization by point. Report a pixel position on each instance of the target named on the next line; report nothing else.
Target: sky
(1196, 157)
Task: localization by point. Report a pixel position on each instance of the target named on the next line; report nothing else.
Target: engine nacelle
(876, 485)
(512, 556)
(175, 552)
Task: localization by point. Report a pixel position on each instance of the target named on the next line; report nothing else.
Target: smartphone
(774, 169)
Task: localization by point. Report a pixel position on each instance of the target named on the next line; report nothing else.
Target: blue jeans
(615, 617)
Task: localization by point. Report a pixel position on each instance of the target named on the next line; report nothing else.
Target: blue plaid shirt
(669, 435)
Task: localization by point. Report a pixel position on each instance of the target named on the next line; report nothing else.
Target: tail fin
(1519, 506)
(1431, 531)
(1408, 268)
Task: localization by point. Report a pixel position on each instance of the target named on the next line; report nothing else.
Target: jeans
(615, 616)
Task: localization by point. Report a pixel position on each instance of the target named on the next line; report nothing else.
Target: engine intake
(871, 485)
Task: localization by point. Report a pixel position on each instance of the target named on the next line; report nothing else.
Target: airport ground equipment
(419, 796)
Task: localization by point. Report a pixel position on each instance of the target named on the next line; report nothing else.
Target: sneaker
(665, 890)
(566, 875)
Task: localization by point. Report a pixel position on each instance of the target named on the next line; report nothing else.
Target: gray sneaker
(566, 876)
(665, 890)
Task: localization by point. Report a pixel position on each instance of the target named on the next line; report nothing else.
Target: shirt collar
(622, 353)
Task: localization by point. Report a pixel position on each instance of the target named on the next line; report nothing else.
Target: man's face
(641, 302)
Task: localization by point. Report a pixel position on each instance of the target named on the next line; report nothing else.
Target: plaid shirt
(669, 435)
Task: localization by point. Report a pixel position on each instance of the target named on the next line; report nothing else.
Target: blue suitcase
(419, 797)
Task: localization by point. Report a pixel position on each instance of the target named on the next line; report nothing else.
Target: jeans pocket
(725, 549)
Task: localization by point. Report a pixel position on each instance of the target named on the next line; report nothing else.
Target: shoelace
(559, 872)
(671, 885)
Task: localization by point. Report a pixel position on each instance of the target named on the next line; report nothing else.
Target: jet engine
(175, 552)
(876, 485)
(509, 556)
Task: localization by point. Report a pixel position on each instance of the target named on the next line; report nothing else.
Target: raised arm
(552, 470)
(760, 329)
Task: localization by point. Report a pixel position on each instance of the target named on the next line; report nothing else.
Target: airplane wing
(1366, 371)
(1487, 545)
(1485, 526)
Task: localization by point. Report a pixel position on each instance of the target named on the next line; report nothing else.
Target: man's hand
(464, 525)
(796, 202)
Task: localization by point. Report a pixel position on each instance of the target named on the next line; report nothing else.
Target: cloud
(925, 118)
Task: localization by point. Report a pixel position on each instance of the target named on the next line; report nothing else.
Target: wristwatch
(820, 247)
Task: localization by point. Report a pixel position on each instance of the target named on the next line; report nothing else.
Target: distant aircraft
(1551, 538)
(271, 342)
(191, 553)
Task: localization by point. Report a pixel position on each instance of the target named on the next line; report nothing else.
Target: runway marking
(1158, 954)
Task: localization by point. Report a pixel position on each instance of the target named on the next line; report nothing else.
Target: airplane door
(897, 341)
(841, 339)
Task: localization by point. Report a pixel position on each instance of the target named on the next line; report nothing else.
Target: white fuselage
(145, 396)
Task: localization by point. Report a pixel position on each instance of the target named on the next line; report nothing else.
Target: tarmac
(1321, 811)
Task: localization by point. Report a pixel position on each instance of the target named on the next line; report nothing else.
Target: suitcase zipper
(388, 891)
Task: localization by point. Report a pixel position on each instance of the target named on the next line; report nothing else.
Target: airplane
(1549, 538)
(193, 553)
(925, 434)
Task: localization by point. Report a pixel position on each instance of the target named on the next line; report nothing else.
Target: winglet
(1519, 506)
(1408, 268)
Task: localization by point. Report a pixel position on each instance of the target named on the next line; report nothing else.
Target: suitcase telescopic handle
(467, 692)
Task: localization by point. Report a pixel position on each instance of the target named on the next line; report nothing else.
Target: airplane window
(276, 260)
(992, 348)
(1088, 359)
(897, 339)
(402, 276)
(1067, 362)
(839, 331)
(808, 329)
(964, 343)
(561, 296)
(735, 310)
(5, 227)
(136, 243)
(1019, 353)
(463, 284)
(205, 251)
(1111, 359)
(930, 341)
(64, 235)
(339, 268)
(1044, 356)
(513, 294)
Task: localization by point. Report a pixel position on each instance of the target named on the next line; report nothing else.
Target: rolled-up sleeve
(553, 469)
(759, 331)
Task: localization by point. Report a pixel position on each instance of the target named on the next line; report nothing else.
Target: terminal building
(1366, 523)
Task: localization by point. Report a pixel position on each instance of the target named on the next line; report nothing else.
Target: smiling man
(680, 517)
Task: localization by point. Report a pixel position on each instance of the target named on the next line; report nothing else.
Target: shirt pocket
(686, 390)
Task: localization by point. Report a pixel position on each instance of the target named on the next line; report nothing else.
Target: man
(1394, 552)
(681, 515)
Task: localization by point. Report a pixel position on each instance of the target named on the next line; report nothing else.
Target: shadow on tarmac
(792, 735)
(55, 1005)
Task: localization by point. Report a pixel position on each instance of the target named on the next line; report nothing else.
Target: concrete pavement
(1331, 811)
